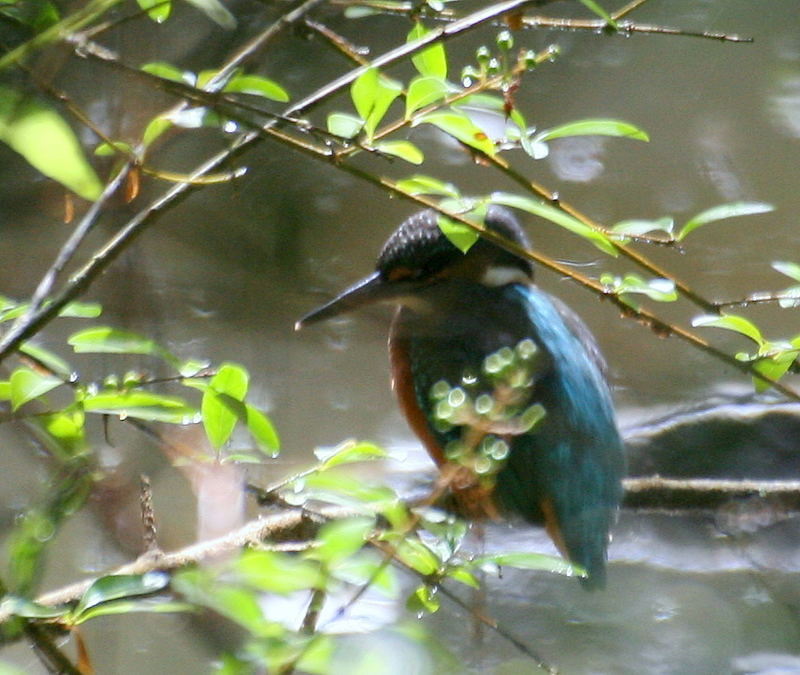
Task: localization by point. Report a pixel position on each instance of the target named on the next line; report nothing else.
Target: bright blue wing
(572, 462)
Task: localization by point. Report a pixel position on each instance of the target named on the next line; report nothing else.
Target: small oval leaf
(47, 142)
(431, 60)
(257, 86)
(422, 91)
(27, 385)
(420, 184)
(554, 215)
(722, 212)
(593, 127)
(461, 127)
(402, 149)
(732, 322)
(346, 126)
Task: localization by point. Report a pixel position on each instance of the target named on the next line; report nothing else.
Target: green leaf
(423, 91)
(554, 215)
(340, 539)
(641, 226)
(258, 86)
(192, 367)
(48, 359)
(215, 11)
(231, 379)
(774, 367)
(239, 605)
(117, 586)
(111, 149)
(402, 149)
(732, 322)
(337, 488)
(790, 269)
(107, 340)
(461, 236)
(721, 212)
(219, 405)
(262, 431)
(533, 148)
(482, 101)
(82, 310)
(37, 15)
(66, 428)
(790, 297)
(277, 572)
(431, 61)
(347, 453)
(157, 10)
(167, 71)
(154, 129)
(372, 94)
(29, 609)
(426, 185)
(593, 127)
(141, 405)
(27, 385)
(414, 554)
(346, 126)
(143, 605)
(79, 310)
(366, 567)
(461, 127)
(364, 90)
(47, 142)
(424, 599)
(597, 9)
(463, 576)
(662, 290)
(529, 561)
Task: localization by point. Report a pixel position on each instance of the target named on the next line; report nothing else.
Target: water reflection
(785, 104)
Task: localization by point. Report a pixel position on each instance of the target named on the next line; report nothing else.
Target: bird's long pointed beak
(370, 289)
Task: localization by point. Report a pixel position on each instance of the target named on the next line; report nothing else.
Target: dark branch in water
(672, 494)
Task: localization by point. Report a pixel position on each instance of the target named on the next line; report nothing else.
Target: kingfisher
(543, 444)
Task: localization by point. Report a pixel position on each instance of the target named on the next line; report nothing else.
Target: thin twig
(627, 28)
(81, 280)
(45, 647)
(759, 298)
(23, 327)
(148, 515)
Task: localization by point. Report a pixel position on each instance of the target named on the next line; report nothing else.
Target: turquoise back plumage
(568, 468)
(574, 456)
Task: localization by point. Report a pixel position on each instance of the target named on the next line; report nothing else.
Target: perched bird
(543, 443)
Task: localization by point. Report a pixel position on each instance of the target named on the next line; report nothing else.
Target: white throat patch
(500, 275)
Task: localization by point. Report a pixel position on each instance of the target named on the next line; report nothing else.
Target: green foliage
(461, 127)
(549, 212)
(372, 94)
(37, 15)
(38, 133)
(661, 290)
(772, 359)
(431, 61)
(488, 407)
(361, 551)
(722, 212)
(595, 127)
(157, 10)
